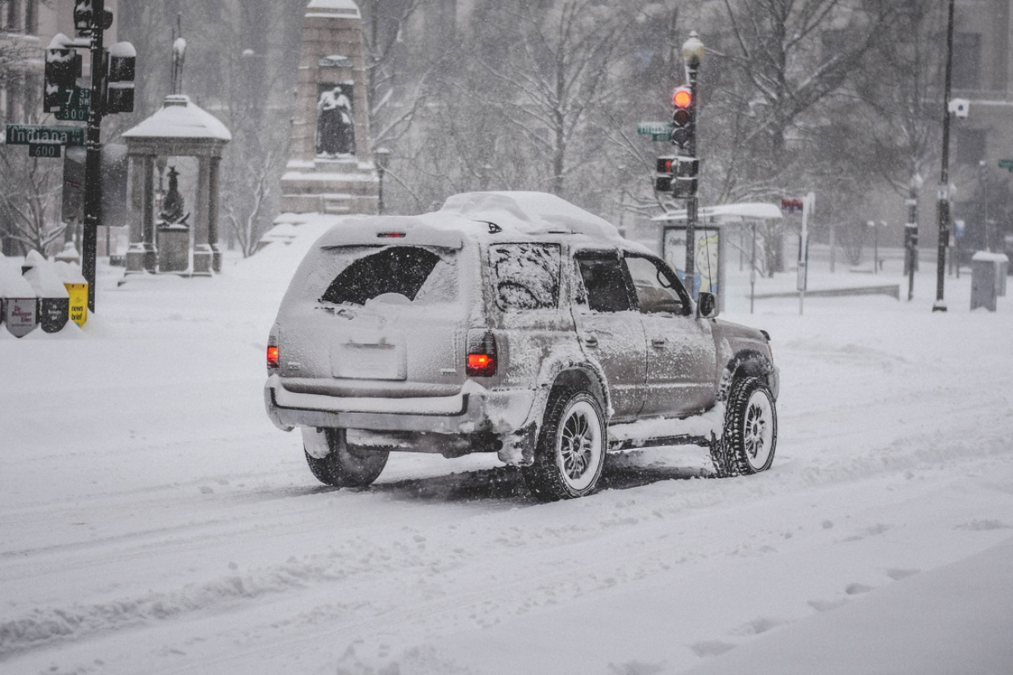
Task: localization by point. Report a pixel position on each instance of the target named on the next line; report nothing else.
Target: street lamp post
(692, 54)
(911, 233)
(943, 207)
(93, 153)
(382, 156)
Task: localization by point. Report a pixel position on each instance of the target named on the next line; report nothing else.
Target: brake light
(272, 356)
(481, 361)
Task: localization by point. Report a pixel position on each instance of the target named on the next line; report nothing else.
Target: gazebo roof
(180, 124)
(339, 7)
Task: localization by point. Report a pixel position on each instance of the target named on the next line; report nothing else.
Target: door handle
(591, 341)
(658, 342)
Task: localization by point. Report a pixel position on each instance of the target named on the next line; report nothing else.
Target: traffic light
(685, 181)
(83, 18)
(677, 175)
(63, 67)
(120, 81)
(682, 118)
(665, 170)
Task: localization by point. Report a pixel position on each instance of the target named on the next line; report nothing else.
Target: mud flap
(519, 447)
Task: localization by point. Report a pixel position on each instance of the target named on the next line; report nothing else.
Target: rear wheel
(750, 430)
(571, 448)
(342, 465)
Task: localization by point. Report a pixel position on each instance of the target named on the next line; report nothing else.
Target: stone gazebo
(178, 129)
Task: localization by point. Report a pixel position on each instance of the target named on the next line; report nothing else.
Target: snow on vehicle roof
(488, 216)
(529, 213)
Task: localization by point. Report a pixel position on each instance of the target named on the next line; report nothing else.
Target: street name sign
(29, 134)
(74, 104)
(659, 131)
(1006, 164)
(51, 150)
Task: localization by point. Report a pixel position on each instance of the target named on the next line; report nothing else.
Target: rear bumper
(473, 410)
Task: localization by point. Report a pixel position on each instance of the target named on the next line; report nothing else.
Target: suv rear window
(414, 272)
(526, 275)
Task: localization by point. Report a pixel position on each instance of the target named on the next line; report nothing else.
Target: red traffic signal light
(682, 98)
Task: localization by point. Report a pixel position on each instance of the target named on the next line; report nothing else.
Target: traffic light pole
(691, 202)
(93, 156)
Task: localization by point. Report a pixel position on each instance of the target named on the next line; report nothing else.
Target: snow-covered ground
(153, 521)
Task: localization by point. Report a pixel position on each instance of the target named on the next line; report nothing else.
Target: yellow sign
(78, 303)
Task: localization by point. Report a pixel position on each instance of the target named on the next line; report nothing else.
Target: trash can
(988, 279)
(54, 301)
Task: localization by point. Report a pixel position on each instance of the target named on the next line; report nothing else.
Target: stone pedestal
(173, 248)
(330, 168)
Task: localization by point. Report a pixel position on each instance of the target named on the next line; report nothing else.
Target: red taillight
(272, 356)
(481, 354)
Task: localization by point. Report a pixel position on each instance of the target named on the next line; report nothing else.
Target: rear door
(681, 358)
(384, 321)
(609, 328)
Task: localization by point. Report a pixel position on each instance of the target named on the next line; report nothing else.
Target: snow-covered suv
(513, 323)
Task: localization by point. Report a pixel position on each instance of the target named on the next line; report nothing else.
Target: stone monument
(330, 167)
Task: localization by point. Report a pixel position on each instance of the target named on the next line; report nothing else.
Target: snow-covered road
(153, 521)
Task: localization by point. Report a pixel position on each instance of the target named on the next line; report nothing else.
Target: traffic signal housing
(63, 67)
(677, 176)
(682, 117)
(664, 173)
(119, 96)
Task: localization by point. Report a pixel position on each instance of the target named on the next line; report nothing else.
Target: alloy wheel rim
(757, 437)
(579, 445)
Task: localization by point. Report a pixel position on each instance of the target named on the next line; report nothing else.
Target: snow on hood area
(155, 521)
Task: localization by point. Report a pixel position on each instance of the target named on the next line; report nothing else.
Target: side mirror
(706, 306)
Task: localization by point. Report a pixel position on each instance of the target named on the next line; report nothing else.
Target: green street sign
(1006, 164)
(655, 128)
(51, 150)
(74, 104)
(27, 134)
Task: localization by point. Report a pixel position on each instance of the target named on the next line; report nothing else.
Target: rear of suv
(513, 323)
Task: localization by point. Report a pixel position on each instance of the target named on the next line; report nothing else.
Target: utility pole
(943, 207)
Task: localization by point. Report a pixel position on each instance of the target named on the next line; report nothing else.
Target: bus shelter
(713, 240)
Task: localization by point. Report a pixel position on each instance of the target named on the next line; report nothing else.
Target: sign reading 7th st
(30, 134)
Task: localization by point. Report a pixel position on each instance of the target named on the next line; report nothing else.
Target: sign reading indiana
(26, 134)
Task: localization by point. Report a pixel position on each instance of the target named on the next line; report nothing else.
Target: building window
(970, 146)
(32, 17)
(967, 60)
(11, 15)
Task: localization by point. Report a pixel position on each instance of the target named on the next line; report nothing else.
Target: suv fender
(747, 363)
(561, 369)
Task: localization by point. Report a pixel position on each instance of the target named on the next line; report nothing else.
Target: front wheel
(335, 463)
(750, 430)
(571, 448)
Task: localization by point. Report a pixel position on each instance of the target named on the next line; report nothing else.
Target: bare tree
(29, 192)
(561, 68)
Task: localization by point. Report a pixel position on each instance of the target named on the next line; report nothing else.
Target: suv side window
(658, 289)
(526, 275)
(604, 281)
